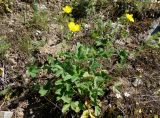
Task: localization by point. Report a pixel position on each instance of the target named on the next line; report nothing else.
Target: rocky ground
(31, 40)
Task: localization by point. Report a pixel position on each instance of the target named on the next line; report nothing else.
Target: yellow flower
(67, 9)
(73, 27)
(130, 17)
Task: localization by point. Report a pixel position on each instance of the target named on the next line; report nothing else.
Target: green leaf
(94, 34)
(74, 78)
(100, 92)
(74, 69)
(87, 75)
(97, 110)
(42, 91)
(82, 86)
(119, 116)
(93, 95)
(99, 43)
(75, 106)
(59, 73)
(108, 53)
(58, 91)
(66, 99)
(59, 82)
(32, 71)
(65, 108)
(104, 74)
(79, 51)
(58, 70)
(123, 56)
(58, 98)
(67, 77)
(68, 87)
(95, 65)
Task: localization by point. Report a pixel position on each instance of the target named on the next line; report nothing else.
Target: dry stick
(145, 102)
(122, 112)
(25, 13)
(53, 103)
(2, 105)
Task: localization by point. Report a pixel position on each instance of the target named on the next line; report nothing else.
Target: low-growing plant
(80, 77)
(40, 17)
(27, 46)
(80, 74)
(123, 54)
(32, 70)
(109, 30)
(40, 20)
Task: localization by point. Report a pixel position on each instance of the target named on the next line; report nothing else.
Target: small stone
(126, 94)
(87, 26)
(118, 95)
(38, 32)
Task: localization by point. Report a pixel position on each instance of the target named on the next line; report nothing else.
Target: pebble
(118, 95)
(126, 94)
